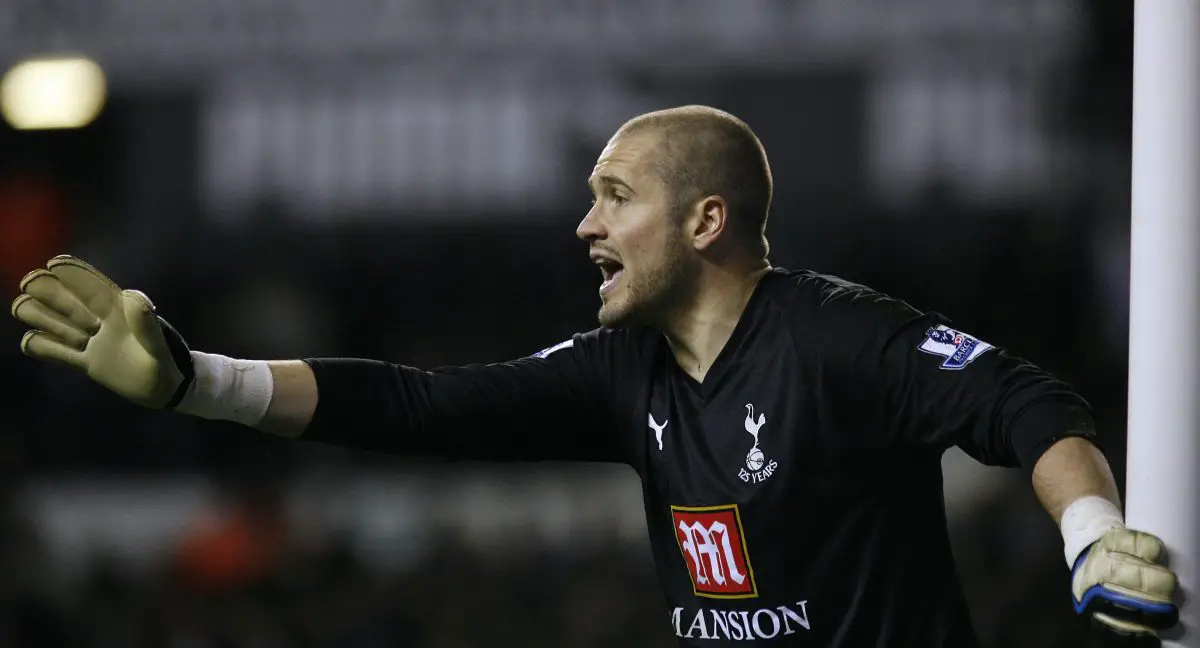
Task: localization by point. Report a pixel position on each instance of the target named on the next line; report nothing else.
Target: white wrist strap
(228, 389)
(1084, 522)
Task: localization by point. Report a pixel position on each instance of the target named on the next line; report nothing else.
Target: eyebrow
(607, 180)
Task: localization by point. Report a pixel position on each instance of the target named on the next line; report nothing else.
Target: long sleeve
(925, 384)
(554, 405)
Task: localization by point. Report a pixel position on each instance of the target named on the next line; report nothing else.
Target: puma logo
(658, 430)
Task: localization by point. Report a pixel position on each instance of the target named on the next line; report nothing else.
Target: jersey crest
(758, 466)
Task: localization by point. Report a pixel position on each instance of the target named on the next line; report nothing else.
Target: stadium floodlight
(52, 93)
(1164, 308)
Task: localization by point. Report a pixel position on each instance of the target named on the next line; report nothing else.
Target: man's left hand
(1120, 581)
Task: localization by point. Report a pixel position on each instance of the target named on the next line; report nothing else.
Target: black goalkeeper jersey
(794, 497)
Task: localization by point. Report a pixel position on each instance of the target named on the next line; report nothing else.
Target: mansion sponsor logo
(740, 625)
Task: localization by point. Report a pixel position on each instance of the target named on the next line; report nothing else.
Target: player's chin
(625, 313)
(610, 316)
(615, 312)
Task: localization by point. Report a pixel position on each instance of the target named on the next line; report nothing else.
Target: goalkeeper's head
(680, 194)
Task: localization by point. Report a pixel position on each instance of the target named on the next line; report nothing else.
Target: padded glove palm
(83, 319)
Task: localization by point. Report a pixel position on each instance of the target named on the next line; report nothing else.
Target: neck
(703, 324)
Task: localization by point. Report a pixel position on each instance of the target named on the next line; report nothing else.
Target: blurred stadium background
(400, 179)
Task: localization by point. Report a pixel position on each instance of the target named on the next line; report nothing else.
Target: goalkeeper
(787, 426)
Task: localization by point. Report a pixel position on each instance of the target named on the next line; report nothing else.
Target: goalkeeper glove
(82, 319)
(1120, 582)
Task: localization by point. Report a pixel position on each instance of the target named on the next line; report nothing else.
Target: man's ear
(708, 222)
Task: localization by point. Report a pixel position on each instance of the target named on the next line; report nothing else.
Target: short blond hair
(706, 151)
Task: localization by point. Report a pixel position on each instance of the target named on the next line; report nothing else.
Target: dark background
(401, 180)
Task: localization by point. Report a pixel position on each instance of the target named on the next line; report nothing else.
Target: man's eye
(619, 199)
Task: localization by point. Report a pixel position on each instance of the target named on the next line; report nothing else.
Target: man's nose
(589, 228)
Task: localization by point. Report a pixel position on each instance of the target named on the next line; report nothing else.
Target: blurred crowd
(240, 577)
(245, 574)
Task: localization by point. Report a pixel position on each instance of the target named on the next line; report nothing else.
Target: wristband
(228, 389)
(1084, 522)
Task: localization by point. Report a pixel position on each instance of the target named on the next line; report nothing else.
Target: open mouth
(610, 271)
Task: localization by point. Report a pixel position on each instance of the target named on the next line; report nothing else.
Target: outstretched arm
(555, 405)
(940, 387)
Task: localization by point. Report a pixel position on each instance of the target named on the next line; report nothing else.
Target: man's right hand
(83, 319)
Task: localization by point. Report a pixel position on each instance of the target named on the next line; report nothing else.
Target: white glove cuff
(228, 389)
(1084, 522)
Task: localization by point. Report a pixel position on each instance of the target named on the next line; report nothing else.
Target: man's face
(639, 244)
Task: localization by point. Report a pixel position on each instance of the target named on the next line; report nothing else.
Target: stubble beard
(649, 297)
